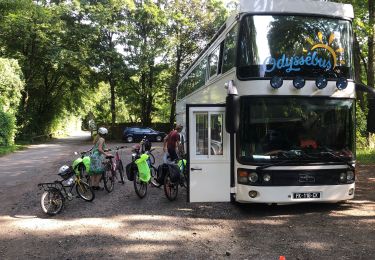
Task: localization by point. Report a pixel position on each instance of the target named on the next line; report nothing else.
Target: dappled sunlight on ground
(317, 245)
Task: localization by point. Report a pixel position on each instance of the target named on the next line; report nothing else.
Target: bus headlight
(253, 177)
(341, 83)
(276, 82)
(321, 82)
(343, 177)
(266, 177)
(350, 176)
(299, 82)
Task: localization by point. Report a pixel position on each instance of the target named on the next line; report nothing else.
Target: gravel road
(121, 226)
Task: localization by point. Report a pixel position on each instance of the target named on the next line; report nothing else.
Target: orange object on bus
(308, 143)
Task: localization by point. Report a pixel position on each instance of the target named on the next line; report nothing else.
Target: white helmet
(63, 169)
(102, 131)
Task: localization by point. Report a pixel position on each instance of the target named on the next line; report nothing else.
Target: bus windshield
(315, 129)
(290, 46)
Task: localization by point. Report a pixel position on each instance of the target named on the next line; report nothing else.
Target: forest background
(118, 61)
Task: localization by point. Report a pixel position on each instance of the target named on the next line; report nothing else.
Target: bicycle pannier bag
(162, 171)
(174, 172)
(130, 171)
(143, 168)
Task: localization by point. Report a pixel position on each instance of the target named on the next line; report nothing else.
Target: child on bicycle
(97, 156)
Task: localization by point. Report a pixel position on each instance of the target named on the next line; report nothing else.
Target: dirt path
(121, 226)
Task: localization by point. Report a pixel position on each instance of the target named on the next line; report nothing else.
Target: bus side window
(229, 53)
(213, 61)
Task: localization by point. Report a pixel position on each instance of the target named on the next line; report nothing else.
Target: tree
(192, 23)
(11, 85)
(108, 20)
(144, 45)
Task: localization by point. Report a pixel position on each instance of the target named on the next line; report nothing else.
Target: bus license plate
(306, 195)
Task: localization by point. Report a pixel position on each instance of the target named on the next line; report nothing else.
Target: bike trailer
(130, 170)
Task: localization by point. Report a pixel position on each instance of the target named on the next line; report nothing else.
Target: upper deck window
(288, 46)
(229, 53)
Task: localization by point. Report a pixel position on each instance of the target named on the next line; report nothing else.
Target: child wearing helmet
(97, 156)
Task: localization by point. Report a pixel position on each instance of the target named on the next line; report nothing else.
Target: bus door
(208, 160)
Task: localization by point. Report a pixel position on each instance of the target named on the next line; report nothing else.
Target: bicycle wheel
(170, 188)
(109, 180)
(140, 187)
(154, 177)
(151, 158)
(84, 191)
(52, 201)
(84, 174)
(184, 178)
(120, 169)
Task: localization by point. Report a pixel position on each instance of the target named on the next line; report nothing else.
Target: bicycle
(146, 145)
(175, 176)
(140, 186)
(55, 193)
(118, 163)
(110, 168)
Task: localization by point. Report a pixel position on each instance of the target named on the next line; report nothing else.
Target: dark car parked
(132, 134)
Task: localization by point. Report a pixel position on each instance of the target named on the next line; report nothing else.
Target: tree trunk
(371, 41)
(358, 69)
(113, 102)
(149, 95)
(173, 88)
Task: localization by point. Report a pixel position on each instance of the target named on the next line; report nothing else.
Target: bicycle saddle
(109, 156)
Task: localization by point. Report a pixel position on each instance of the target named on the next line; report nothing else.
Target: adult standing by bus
(172, 142)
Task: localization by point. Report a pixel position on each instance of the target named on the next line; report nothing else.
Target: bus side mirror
(232, 113)
(371, 115)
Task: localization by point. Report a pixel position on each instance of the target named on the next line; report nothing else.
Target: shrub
(361, 130)
(7, 129)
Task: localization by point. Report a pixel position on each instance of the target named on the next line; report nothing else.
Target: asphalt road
(121, 226)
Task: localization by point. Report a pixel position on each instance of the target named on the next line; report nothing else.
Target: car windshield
(291, 46)
(296, 127)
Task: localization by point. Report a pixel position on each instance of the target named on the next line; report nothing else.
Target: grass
(366, 156)
(9, 149)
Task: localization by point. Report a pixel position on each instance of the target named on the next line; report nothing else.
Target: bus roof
(313, 7)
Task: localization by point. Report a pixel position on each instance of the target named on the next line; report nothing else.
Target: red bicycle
(112, 166)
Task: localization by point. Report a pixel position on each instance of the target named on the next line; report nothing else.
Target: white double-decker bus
(269, 106)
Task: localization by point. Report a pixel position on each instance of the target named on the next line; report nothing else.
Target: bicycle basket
(67, 173)
(130, 171)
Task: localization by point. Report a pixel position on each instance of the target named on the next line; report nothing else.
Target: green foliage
(11, 85)
(7, 128)
(9, 149)
(366, 156)
(361, 127)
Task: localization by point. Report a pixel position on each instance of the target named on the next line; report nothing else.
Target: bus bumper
(294, 194)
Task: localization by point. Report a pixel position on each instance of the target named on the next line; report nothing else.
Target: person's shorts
(172, 154)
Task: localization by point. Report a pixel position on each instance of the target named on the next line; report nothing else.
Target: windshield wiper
(290, 157)
(338, 157)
